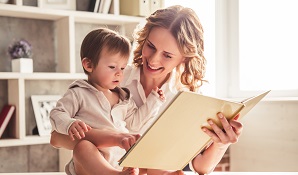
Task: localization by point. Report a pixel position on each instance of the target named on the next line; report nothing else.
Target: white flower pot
(23, 65)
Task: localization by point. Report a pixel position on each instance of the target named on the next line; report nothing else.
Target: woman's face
(160, 54)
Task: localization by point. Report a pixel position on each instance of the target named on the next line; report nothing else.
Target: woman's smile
(152, 68)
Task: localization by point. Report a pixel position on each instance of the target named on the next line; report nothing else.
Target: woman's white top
(132, 82)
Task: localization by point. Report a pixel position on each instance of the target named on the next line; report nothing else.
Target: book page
(251, 102)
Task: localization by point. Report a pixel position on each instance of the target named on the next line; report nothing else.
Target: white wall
(269, 141)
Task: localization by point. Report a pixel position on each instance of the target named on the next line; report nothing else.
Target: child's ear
(87, 64)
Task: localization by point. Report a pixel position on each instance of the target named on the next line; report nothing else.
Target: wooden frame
(57, 4)
(42, 106)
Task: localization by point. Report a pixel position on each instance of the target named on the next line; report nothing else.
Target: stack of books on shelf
(100, 6)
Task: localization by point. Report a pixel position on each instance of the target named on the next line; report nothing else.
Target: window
(266, 48)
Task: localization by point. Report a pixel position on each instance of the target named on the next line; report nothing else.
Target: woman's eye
(150, 46)
(167, 56)
(112, 67)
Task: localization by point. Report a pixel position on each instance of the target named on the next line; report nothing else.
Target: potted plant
(21, 55)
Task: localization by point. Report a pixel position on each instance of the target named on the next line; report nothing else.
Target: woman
(170, 55)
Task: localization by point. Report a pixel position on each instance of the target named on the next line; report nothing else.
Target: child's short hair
(98, 39)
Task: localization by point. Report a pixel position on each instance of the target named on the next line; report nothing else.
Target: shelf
(43, 76)
(11, 10)
(28, 140)
(65, 31)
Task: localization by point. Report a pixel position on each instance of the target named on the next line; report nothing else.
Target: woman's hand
(230, 133)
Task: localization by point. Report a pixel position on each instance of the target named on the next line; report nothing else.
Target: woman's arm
(222, 139)
(62, 141)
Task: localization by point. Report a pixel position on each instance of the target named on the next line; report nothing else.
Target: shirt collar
(134, 74)
(171, 83)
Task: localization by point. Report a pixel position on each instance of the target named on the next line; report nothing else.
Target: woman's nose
(155, 57)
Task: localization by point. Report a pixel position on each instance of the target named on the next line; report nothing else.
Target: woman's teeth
(154, 68)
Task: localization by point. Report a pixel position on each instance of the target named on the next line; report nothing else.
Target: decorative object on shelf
(3, 1)
(140, 7)
(57, 4)
(21, 55)
(42, 106)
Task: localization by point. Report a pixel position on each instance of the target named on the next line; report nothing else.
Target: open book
(175, 138)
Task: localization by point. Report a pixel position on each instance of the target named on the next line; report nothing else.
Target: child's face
(109, 71)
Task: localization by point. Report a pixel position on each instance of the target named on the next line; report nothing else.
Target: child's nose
(119, 72)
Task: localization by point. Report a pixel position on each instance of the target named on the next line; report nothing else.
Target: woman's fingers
(222, 136)
(237, 127)
(229, 133)
(227, 128)
(211, 134)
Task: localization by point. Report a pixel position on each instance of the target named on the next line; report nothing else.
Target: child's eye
(122, 68)
(112, 67)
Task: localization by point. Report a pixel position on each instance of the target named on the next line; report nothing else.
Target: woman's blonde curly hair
(185, 26)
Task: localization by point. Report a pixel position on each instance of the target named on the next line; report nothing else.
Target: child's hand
(127, 140)
(78, 129)
(160, 93)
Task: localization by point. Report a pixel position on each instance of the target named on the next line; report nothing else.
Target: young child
(98, 102)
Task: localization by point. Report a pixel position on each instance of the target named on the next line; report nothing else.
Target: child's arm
(160, 93)
(62, 117)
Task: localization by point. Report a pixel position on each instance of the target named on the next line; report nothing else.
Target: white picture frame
(42, 106)
(57, 4)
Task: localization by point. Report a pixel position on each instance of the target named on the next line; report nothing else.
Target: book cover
(91, 5)
(135, 7)
(115, 7)
(175, 138)
(5, 116)
(96, 6)
(101, 5)
(106, 6)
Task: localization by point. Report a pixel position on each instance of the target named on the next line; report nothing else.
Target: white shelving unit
(64, 21)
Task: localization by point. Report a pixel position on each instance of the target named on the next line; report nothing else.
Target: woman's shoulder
(129, 68)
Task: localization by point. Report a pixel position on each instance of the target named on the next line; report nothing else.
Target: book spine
(96, 6)
(106, 6)
(5, 117)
